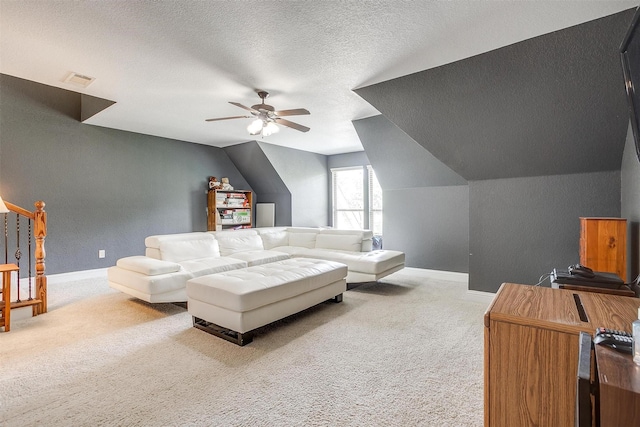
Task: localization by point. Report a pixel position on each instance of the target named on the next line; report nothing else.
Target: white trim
(67, 277)
(27, 312)
(77, 275)
(462, 278)
(452, 276)
(480, 296)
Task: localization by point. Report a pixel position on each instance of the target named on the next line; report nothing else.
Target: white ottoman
(232, 304)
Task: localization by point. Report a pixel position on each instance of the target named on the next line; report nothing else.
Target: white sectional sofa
(173, 259)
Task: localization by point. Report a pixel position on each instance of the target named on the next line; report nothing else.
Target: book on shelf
(241, 217)
(235, 203)
(240, 227)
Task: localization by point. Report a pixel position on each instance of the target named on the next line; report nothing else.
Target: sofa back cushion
(183, 250)
(234, 241)
(303, 239)
(365, 236)
(274, 239)
(152, 243)
(342, 242)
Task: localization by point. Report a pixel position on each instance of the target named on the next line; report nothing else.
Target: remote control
(617, 340)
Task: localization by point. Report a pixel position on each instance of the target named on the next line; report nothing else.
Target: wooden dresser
(619, 388)
(603, 244)
(531, 350)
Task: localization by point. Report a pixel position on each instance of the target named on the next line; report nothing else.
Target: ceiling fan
(266, 117)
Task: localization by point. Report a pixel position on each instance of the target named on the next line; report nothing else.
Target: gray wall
(522, 228)
(306, 176)
(537, 127)
(426, 204)
(103, 188)
(357, 158)
(430, 225)
(295, 180)
(630, 209)
(267, 184)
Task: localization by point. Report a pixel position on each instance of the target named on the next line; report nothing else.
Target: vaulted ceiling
(554, 104)
(169, 65)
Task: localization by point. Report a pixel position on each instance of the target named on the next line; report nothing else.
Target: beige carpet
(404, 352)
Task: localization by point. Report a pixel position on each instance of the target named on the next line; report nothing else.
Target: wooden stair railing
(39, 220)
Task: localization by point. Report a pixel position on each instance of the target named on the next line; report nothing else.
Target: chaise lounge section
(170, 260)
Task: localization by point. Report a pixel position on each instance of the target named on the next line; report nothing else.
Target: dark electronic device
(579, 275)
(582, 271)
(630, 56)
(617, 340)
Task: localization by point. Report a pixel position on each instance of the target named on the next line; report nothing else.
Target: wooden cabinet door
(532, 374)
(603, 245)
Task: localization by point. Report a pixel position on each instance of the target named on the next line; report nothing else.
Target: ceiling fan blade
(292, 125)
(227, 118)
(294, 112)
(237, 104)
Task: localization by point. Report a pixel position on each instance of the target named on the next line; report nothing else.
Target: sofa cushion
(273, 239)
(374, 262)
(259, 257)
(293, 251)
(253, 287)
(154, 241)
(304, 240)
(148, 285)
(366, 237)
(181, 250)
(241, 242)
(202, 266)
(148, 266)
(343, 242)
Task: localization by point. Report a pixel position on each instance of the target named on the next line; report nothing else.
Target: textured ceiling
(169, 65)
(554, 104)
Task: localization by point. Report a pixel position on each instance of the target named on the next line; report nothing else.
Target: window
(356, 199)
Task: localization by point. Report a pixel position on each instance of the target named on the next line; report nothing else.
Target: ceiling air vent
(79, 79)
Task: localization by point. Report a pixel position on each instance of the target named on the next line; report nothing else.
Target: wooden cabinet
(618, 388)
(603, 245)
(531, 350)
(228, 209)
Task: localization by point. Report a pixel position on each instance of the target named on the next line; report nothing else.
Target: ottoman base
(230, 335)
(224, 333)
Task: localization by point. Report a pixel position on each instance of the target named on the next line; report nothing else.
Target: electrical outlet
(101, 253)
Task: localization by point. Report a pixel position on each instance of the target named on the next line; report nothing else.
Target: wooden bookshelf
(229, 209)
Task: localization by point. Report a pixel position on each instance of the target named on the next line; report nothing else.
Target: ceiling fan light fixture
(265, 117)
(270, 128)
(255, 127)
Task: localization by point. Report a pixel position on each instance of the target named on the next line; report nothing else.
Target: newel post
(40, 231)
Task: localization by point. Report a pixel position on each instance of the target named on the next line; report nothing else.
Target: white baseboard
(452, 276)
(69, 277)
(480, 296)
(26, 312)
(77, 275)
